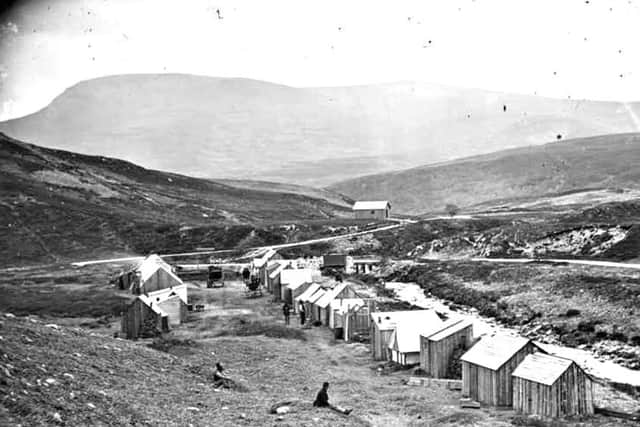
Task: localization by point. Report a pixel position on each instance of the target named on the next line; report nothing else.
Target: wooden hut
(304, 297)
(437, 350)
(357, 322)
(294, 277)
(154, 274)
(404, 342)
(260, 265)
(142, 319)
(488, 365)
(314, 312)
(382, 325)
(292, 291)
(551, 386)
(323, 305)
(273, 271)
(338, 307)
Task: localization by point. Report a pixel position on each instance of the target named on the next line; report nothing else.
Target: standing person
(286, 310)
(303, 314)
(322, 401)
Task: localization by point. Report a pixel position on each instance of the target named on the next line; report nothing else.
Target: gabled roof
(449, 328)
(405, 338)
(370, 205)
(150, 265)
(332, 294)
(316, 296)
(262, 261)
(277, 271)
(389, 319)
(304, 297)
(542, 368)
(494, 352)
(153, 305)
(344, 305)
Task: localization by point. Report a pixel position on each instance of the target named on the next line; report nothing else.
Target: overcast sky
(583, 49)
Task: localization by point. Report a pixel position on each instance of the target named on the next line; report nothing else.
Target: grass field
(92, 378)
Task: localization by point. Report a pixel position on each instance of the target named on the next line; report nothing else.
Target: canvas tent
(383, 324)
(323, 305)
(154, 274)
(404, 343)
(303, 298)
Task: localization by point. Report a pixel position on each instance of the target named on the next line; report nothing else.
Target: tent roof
(304, 297)
(277, 271)
(371, 205)
(260, 262)
(150, 265)
(448, 328)
(389, 319)
(494, 352)
(542, 368)
(331, 294)
(405, 338)
(292, 276)
(316, 296)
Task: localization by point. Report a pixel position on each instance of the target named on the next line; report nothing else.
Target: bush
(572, 312)
(166, 344)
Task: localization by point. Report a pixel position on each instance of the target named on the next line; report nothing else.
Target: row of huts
(157, 298)
(496, 371)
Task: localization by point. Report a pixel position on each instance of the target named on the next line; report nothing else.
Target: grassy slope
(220, 127)
(56, 205)
(597, 162)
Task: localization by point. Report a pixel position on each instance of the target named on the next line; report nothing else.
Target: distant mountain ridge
(520, 174)
(247, 129)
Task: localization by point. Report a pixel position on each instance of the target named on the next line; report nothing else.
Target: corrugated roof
(494, 352)
(304, 297)
(405, 338)
(542, 368)
(370, 205)
(450, 327)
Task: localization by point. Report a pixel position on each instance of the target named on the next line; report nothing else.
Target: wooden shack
(292, 291)
(382, 325)
(357, 322)
(314, 312)
(551, 386)
(154, 274)
(379, 209)
(293, 277)
(261, 265)
(142, 319)
(404, 343)
(488, 365)
(437, 350)
(323, 305)
(304, 297)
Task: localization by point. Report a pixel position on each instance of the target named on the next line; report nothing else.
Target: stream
(605, 369)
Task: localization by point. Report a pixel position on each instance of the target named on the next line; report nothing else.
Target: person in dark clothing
(286, 310)
(303, 315)
(322, 401)
(220, 379)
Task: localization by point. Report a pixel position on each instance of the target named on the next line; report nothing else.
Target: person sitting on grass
(220, 379)
(322, 401)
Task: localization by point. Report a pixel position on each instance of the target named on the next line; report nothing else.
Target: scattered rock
(10, 315)
(67, 375)
(52, 326)
(283, 410)
(50, 381)
(193, 408)
(91, 405)
(56, 418)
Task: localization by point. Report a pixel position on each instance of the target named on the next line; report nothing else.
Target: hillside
(56, 205)
(516, 177)
(240, 128)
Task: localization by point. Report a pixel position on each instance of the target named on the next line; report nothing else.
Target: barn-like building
(488, 365)
(551, 386)
(379, 209)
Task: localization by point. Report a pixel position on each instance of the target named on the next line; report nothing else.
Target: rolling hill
(520, 177)
(246, 129)
(57, 205)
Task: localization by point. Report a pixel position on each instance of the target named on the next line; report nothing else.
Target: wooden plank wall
(490, 387)
(435, 356)
(571, 394)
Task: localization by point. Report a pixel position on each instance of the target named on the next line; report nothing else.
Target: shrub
(244, 328)
(572, 312)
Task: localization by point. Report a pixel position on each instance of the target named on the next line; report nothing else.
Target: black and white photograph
(320, 213)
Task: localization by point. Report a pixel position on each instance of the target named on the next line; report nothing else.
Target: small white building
(380, 209)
